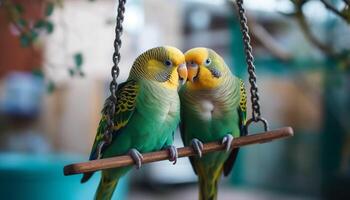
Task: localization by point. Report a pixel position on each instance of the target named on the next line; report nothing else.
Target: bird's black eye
(207, 61)
(168, 63)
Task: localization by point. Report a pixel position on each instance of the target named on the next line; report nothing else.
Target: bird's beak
(182, 71)
(192, 71)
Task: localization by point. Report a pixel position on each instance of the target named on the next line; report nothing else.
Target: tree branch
(126, 160)
(268, 41)
(335, 10)
(310, 36)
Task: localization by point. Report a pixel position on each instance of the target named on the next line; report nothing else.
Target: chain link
(256, 114)
(110, 103)
(117, 44)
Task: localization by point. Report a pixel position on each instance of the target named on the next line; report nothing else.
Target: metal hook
(256, 120)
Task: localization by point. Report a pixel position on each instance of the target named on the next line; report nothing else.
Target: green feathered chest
(210, 114)
(155, 118)
(158, 104)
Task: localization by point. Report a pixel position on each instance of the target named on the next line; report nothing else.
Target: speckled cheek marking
(173, 82)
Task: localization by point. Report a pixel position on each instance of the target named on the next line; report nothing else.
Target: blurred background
(55, 60)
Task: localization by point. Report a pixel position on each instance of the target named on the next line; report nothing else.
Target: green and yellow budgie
(147, 113)
(213, 107)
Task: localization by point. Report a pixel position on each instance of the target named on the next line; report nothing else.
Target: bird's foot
(197, 145)
(228, 140)
(173, 153)
(137, 157)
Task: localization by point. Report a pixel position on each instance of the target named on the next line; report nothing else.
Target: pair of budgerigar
(163, 83)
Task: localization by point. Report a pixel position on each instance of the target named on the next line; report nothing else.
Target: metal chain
(110, 103)
(117, 44)
(256, 114)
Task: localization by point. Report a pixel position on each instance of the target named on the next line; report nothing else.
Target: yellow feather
(153, 67)
(205, 80)
(205, 77)
(198, 55)
(120, 124)
(173, 82)
(243, 99)
(176, 55)
(177, 58)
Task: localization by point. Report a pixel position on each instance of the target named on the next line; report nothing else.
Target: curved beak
(182, 71)
(192, 71)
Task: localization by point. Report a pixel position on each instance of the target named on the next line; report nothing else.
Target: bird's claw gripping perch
(197, 145)
(228, 140)
(137, 157)
(173, 153)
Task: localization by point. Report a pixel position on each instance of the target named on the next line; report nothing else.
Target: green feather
(227, 117)
(146, 116)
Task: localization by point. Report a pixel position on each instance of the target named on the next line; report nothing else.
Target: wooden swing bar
(126, 160)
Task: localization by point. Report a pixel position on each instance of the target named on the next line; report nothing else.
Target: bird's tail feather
(208, 186)
(86, 177)
(106, 188)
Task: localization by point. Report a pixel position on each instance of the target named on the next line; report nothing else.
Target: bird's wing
(182, 127)
(183, 137)
(242, 115)
(125, 107)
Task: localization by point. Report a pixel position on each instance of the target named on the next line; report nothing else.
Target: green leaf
(44, 24)
(21, 22)
(71, 72)
(78, 60)
(49, 27)
(33, 35)
(40, 24)
(25, 40)
(51, 87)
(19, 8)
(49, 8)
(38, 72)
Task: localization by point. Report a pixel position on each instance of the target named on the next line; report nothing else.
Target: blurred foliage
(29, 31)
(335, 129)
(340, 57)
(51, 87)
(343, 12)
(77, 70)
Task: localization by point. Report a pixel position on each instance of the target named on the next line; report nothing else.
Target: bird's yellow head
(206, 69)
(161, 64)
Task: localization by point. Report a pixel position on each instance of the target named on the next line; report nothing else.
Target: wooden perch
(122, 161)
